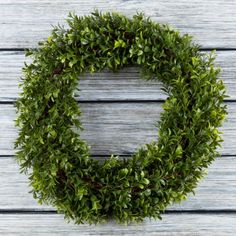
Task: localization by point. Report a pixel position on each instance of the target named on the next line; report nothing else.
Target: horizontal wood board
(172, 224)
(116, 128)
(217, 191)
(212, 23)
(125, 85)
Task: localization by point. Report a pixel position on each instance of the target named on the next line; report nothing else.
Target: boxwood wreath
(49, 146)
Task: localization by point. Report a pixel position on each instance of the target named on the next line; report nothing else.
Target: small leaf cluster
(49, 146)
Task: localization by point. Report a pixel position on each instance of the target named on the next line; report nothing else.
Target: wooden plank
(23, 23)
(117, 128)
(172, 224)
(217, 191)
(125, 85)
(114, 128)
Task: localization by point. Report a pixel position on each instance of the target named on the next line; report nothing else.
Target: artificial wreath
(49, 147)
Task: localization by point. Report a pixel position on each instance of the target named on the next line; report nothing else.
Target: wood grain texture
(172, 224)
(118, 128)
(122, 126)
(217, 191)
(212, 22)
(125, 85)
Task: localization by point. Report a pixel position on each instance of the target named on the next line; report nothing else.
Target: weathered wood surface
(123, 85)
(116, 128)
(172, 224)
(217, 191)
(120, 126)
(212, 22)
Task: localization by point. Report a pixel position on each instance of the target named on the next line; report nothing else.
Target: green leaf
(119, 43)
(84, 41)
(179, 150)
(145, 181)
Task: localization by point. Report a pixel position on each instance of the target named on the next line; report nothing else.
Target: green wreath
(160, 173)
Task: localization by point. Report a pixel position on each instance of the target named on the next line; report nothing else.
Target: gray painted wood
(212, 22)
(217, 191)
(172, 224)
(117, 128)
(125, 85)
